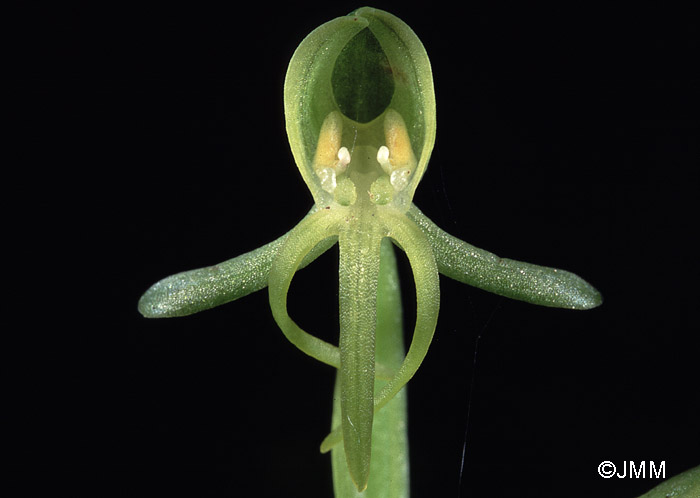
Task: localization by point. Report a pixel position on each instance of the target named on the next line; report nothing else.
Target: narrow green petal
(359, 273)
(427, 281)
(506, 277)
(204, 288)
(302, 239)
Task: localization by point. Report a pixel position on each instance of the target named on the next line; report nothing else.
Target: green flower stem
(389, 466)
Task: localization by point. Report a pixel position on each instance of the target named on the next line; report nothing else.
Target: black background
(150, 140)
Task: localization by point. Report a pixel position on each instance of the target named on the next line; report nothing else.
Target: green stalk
(684, 485)
(388, 476)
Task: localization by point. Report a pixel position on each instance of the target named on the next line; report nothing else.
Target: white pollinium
(343, 160)
(383, 159)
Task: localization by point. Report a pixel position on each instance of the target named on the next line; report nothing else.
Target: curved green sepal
(514, 279)
(414, 97)
(308, 96)
(300, 241)
(197, 290)
(427, 281)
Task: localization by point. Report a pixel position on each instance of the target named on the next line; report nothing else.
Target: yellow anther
(329, 141)
(331, 159)
(397, 141)
(396, 157)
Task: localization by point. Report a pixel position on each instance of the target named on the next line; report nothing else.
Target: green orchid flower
(360, 116)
